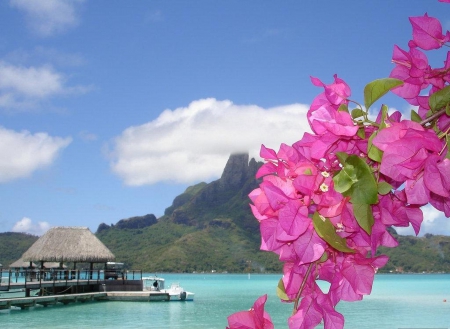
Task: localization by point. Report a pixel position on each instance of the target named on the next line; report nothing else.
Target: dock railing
(14, 278)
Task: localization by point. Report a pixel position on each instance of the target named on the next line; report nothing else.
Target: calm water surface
(397, 301)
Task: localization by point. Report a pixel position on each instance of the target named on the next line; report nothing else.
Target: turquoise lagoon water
(397, 301)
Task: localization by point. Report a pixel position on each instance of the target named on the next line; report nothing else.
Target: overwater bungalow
(68, 244)
(58, 285)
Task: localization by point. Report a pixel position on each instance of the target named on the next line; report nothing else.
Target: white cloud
(24, 87)
(48, 17)
(25, 225)
(434, 222)
(193, 143)
(30, 81)
(23, 152)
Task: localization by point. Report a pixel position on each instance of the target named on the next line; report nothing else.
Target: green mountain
(207, 228)
(210, 227)
(13, 245)
(430, 253)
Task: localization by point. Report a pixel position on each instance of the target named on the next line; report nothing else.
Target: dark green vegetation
(13, 245)
(210, 227)
(430, 253)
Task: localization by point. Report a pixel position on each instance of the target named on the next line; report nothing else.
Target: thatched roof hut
(69, 244)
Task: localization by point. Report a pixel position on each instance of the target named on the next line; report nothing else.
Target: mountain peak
(236, 171)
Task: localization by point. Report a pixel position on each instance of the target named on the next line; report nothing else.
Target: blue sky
(110, 109)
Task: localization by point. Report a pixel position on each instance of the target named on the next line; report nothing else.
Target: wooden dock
(26, 302)
(138, 296)
(71, 288)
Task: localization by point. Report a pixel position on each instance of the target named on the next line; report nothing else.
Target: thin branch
(297, 298)
(432, 117)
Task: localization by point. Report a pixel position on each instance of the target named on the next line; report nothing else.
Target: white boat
(175, 291)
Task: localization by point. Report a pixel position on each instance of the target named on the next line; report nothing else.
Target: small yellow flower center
(324, 187)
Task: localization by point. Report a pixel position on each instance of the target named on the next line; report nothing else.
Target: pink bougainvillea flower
(437, 175)
(323, 115)
(440, 203)
(293, 218)
(325, 118)
(395, 211)
(416, 191)
(406, 146)
(308, 315)
(337, 92)
(309, 247)
(331, 318)
(411, 67)
(381, 237)
(269, 241)
(255, 318)
(427, 33)
(297, 185)
(356, 276)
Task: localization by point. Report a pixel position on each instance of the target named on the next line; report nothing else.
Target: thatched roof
(69, 244)
(21, 263)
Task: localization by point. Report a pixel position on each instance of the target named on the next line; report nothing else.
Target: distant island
(210, 228)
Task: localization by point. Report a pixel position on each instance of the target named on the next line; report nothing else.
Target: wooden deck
(26, 302)
(68, 288)
(135, 296)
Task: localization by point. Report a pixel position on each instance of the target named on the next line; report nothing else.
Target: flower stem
(432, 117)
(302, 286)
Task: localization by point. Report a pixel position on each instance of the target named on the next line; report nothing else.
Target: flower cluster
(326, 202)
(412, 66)
(298, 182)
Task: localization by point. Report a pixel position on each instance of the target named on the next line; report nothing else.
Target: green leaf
(384, 114)
(326, 230)
(374, 152)
(384, 188)
(357, 181)
(342, 157)
(447, 109)
(343, 108)
(345, 179)
(323, 258)
(439, 99)
(281, 291)
(356, 113)
(376, 89)
(415, 116)
(364, 216)
(361, 133)
(365, 189)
